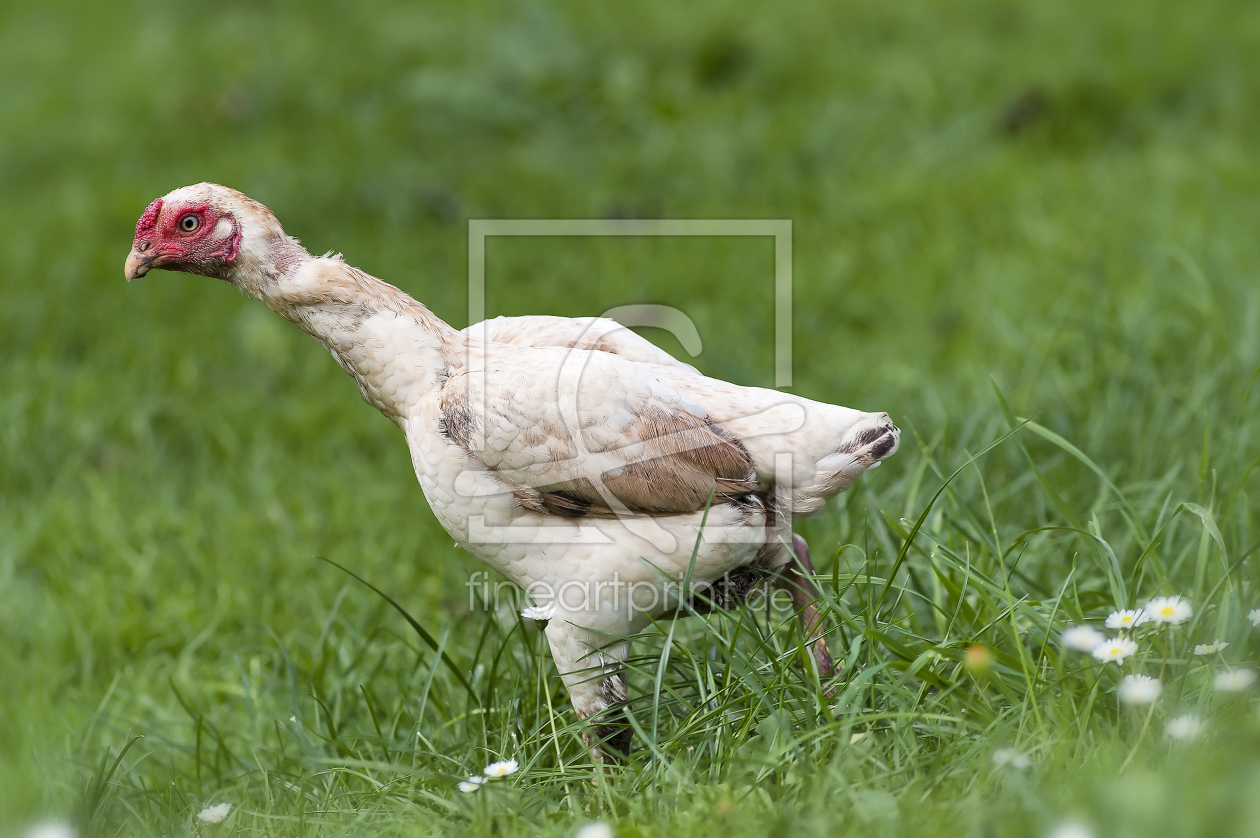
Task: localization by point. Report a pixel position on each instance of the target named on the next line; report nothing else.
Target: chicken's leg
(798, 579)
(596, 679)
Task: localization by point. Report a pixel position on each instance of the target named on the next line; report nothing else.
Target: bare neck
(395, 348)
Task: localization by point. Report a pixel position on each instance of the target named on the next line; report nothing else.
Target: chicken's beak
(138, 263)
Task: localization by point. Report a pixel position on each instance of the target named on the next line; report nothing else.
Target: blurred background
(1056, 199)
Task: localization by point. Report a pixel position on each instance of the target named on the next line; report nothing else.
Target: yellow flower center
(1166, 611)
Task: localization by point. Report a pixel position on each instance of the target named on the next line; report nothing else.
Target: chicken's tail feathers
(868, 443)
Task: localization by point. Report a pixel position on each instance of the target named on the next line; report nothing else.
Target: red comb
(149, 220)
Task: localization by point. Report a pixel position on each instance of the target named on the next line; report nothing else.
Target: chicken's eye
(189, 223)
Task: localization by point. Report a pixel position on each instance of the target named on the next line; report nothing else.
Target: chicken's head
(203, 229)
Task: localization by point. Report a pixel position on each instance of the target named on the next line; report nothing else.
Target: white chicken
(608, 480)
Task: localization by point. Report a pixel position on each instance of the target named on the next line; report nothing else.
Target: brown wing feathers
(679, 460)
(684, 459)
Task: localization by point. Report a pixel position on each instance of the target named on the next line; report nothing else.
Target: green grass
(174, 458)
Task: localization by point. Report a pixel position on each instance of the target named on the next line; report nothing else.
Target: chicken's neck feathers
(395, 348)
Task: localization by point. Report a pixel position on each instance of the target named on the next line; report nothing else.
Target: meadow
(1030, 231)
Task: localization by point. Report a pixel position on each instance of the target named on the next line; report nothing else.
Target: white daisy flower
(1116, 649)
(598, 829)
(1210, 648)
(1169, 610)
(1082, 638)
(215, 814)
(541, 613)
(1011, 757)
(1236, 681)
(1140, 689)
(1254, 616)
(501, 769)
(1071, 830)
(1126, 619)
(1184, 727)
(472, 784)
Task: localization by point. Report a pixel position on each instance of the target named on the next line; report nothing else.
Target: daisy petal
(501, 769)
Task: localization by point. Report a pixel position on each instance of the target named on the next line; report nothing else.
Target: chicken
(590, 468)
